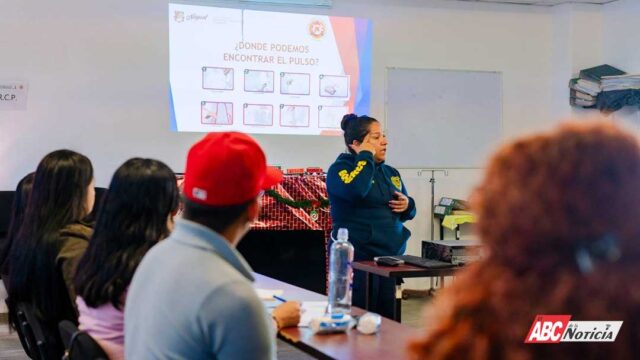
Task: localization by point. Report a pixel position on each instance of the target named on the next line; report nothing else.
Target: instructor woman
(368, 198)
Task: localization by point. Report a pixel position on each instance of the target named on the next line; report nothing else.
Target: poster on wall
(266, 72)
(13, 95)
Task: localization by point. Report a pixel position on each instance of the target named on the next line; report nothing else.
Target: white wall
(98, 75)
(621, 36)
(515, 40)
(577, 44)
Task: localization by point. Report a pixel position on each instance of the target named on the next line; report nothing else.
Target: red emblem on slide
(317, 29)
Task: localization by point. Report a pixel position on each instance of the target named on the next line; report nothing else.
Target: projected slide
(295, 84)
(258, 80)
(329, 117)
(217, 113)
(266, 72)
(258, 114)
(294, 115)
(217, 78)
(334, 86)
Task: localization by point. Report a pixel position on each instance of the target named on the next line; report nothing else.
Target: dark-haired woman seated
(137, 213)
(51, 240)
(369, 198)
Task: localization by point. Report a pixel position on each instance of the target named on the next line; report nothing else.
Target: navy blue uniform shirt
(359, 192)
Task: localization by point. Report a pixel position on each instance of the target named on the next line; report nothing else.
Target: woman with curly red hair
(558, 215)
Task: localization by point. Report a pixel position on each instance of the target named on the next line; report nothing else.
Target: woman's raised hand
(365, 145)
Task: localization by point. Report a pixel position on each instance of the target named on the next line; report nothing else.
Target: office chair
(6, 201)
(39, 347)
(23, 340)
(78, 344)
(67, 329)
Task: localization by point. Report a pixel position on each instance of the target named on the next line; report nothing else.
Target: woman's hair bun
(346, 119)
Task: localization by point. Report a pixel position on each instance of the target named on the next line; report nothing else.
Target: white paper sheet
(310, 310)
(267, 294)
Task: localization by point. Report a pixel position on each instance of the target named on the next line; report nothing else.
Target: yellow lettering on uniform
(347, 177)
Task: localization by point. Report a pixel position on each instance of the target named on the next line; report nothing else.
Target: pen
(279, 298)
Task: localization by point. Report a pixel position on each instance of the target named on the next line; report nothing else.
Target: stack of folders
(591, 82)
(581, 98)
(621, 82)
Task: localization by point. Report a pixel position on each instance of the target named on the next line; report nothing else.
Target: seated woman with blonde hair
(558, 216)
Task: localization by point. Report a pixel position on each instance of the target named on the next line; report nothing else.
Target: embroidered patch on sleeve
(347, 177)
(395, 180)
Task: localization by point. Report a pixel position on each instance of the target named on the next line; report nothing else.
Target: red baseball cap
(227, 168)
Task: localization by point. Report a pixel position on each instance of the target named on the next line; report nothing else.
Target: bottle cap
(343, 234)
(369, 323)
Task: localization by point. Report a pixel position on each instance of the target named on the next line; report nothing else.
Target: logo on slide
(317, 29)
(178, 16)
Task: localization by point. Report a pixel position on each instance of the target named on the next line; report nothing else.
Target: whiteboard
(442, 119)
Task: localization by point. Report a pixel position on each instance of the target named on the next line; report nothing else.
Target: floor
(10, 348)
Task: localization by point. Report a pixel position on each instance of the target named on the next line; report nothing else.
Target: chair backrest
(67, 329)
(39, 347)
(12, 320)
(6, 200)
(78, 344)
(17, 323)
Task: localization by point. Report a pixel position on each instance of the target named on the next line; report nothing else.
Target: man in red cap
(192, 297)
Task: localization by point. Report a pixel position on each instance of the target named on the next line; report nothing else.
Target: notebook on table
(422, 262)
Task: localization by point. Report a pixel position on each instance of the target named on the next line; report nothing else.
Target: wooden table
(389, 343)
(398, 273)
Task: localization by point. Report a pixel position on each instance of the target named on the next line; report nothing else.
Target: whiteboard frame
(386, 106)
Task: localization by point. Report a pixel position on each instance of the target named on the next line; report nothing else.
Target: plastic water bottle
(340, 271)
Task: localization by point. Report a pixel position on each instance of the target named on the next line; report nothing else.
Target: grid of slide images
(263, 81)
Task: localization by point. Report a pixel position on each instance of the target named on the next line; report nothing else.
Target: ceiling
(542, 2)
